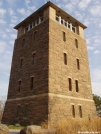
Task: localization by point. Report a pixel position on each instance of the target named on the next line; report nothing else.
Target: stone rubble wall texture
(38, 105)
(50, 98)
(60, 98)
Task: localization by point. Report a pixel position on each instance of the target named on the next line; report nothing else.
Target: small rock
(4, 129)
(17, 125)
(33, 129)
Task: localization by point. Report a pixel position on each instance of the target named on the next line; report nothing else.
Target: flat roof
(29, 18)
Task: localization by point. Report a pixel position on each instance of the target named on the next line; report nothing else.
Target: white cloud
(84, 4)
(2, 12)
(11, 42)
(96, 87)
(8, 30)
(96, 52)
(22, 11)
(3, 88)
(2, 46)
(69, 7)
(3, 22)
(27, 2)
(90, 48)
(79, 15)
(88, 41)
(11, 2)
(96, 75)
(13, 36)
(3, 34)
(97, 40)
(1, 2)
(33, 8)
(87, 21)
(65, 0)
(11, 12)
(95, 10)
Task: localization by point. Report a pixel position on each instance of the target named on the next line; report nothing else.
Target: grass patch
(15, 127)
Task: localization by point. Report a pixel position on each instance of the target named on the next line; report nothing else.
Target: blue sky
(14, 11)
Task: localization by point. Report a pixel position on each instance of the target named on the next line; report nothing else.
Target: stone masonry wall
(37, 44)
(39, 70)
(59, 72)
(37, 110)
(60, 98)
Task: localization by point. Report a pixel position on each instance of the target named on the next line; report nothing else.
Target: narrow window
(78, 64)
(41, 18)
(80, 111)
(70, 84)
(64, 36)
(73, 28)
(26, 110)
(18, 111)
(76, 86)
(65, 24)
(26, 29)
(21, 63)
(57, 18)
(31, 26)
(73, 111)
(35, 35)
(33, 58)
(23, 43)
(65, 58)
(76, 43)
(69, 25)
(19, 86)
(31, 83)
(34, 24)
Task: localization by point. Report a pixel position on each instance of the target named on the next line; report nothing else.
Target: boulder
(4, 129)
(33, 129)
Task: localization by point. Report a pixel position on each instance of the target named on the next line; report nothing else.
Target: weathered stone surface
(4, 129)
(33, 129)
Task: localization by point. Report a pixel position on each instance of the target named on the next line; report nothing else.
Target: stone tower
(50, 77)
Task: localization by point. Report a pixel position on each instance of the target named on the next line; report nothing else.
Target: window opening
(73, 29)
(73, 111)
(70, 84)
(41, 18)
(65, 58)
(31, 83)
(19, 86)
(57, 18)
(64, 36)
(76, 86)
(68, 25)
(78, 64)
(33, 58)
(31, 26)
(23, 42)
(26, 29)
(80, 111)
(62, 21)
(76, 43)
